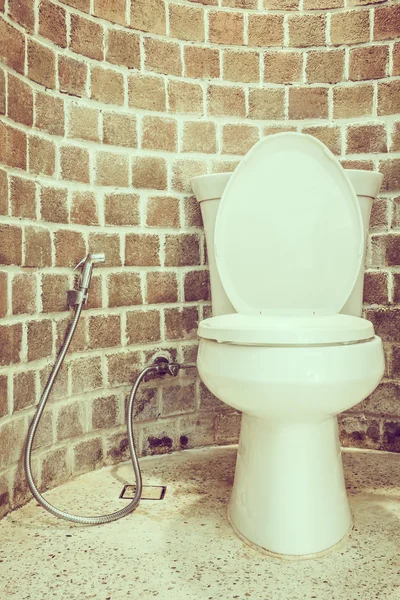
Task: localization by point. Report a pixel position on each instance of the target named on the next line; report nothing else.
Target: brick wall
(107, 109)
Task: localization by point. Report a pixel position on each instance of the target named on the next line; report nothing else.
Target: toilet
(286, 345)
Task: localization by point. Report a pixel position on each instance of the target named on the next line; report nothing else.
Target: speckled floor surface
(183, 548)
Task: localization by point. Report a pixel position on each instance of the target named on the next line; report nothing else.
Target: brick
(52, 23)
(74, 162)
(283, 67)
(241, 66)
(78, 343)
(384, 400)
(307, 30)
(199, 136)
(396, 288)
(181, 323)
(123, 49)
(192, 212)
(2, 92)
(387, 23)
(54, 292)
(105, 412)
(146, 405)
(322, 4)
(54, 468)
(238, 139)
(123, 368)
(42, 156)
(281, 4)
(146, 92)
(183, 171)
(22, 197)
(368, 62)
(265, 30)
(104, 331)
(53, 205)
(142, 250)
(10, 245)
(83, 123)
(162, 57)
(121, 209)
(49, 114)
(390, 170)
(248, 4)
(112, 169)
(21, 11)
(3, 193)
(162, 212)
(109, 244)
(162, 287)
(37, 247)
(60, 387)
(385, 250)
(196, 430)
(156, 440)
(352, 101)
(159, 134)
(143, 326)
(23, 294)
(86, 374)
(197, 286)
(95, 293)
(178, 399)
(3, 396)
(391, 436)
(395, 142)
(69, 246)
(182, 250)
(375, 287)
(149, 172)
(12, 146)
(226, 28)
(12, 436)
(226, 101)
(12, 47)
(24, 392)
(83, 5)
(359, 432)
(379, 215)
(350, 27)
(330, 136)
(124, 289)
(148, 15)
(227, 428)
(40, 339)
(86, 37)
(366, 139)
(70, 421)
(201, 62)
(107, 86)
(3, 306)
(208, 401)
(308, 103)
(119, 129)
(111, 11)
(266, 104)
(186, 22)
(325, 66)
(20, 101)
(84, 208)
(41, 64)
(396, 59)
(185, 98)
(72, 76)
(389, 98)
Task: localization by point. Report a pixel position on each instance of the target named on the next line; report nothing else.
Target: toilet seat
(294, 330)
(289, 233)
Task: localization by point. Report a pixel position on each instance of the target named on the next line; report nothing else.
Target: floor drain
(149, 492)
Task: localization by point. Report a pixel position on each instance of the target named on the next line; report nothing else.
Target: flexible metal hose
(36, 420)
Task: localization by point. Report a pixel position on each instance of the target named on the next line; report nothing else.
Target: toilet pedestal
(289, 494)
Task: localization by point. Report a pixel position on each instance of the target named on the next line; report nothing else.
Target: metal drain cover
(149, 492)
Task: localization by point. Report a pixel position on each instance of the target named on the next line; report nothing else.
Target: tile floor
(183, 548)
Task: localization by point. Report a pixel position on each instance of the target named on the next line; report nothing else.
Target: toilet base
(289, 495)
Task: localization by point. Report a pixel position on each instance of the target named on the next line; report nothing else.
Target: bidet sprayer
(79, 295)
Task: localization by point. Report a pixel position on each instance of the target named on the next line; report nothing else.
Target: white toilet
(286, 235)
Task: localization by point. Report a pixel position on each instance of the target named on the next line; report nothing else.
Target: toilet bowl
(286, 346)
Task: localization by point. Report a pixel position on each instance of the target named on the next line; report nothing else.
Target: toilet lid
(289, 232)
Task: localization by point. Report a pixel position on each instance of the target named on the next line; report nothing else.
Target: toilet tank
(208, 190)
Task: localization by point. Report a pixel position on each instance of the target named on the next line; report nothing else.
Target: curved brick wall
(106, 111)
